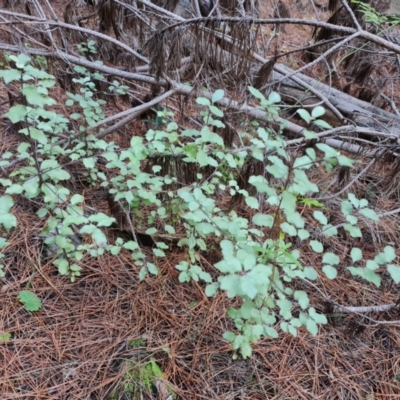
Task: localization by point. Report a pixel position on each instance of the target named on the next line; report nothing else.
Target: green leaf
(76, 199)
(246, 309)
(302, 298)
(343, 160)
(158, 253)
(256, 93)
(277, 168)
(356, 254)
(35, 98)
(6, 202)
(54, 172)
(329, 230)
(323, 124)
(257, 331)
(346, 207)
(229, 336)
(394, 271)
(289, 203)
(302, 185)
(318, 111)
(245, 350)
(211, 289)
(309, 135)
(363, 203)
(312, 327)
(35, 134)
(216, 111)
(371, 214)
(270, 332)
(329, 151)
(184, 277)
(17, 113)
(305, 115)
(30, 300)
(310, 273)
(274, 97)
(352, 219)
(5, 182)
(203, 101)
(354, 231)
(387, 256)
(99, 237)
(318, 318)
(252, 202)
(22, 60)
(58, 174)
(5, 337)
(131, 245)
(331, 258)
(115, 250)
(169, 229)
(329, 271)
(285, 308)
(247, 258)
(353, 199)
(75, 268)
(303, 162)
(62, 265)
(162, 245)
(372, 276)
(218, 95)
(151, 231)
(320, 217)
(229, 283)
(89, 162)
(303, 234)
(152, 268)
(296, 219)
(217, 123)
(289, 229)
(390, 253)
(205, 228)
(239, 339)
(22, 149)
(142, 273)
(7, 219)
(230, 264)
(10, 75)
(101, 219)
(263, 220)
(316, 246)
(248, 286)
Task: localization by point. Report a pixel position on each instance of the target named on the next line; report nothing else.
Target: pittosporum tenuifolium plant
(255, 265)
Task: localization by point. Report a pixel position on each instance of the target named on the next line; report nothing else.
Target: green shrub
(254, 265)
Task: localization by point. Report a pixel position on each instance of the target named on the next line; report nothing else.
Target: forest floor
(91, 337)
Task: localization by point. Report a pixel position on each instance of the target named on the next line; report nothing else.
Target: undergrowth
(257, 261)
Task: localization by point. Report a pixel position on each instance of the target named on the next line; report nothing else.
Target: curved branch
(130, 114)
(34, 20)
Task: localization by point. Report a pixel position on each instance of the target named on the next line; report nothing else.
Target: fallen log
(358, 112)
